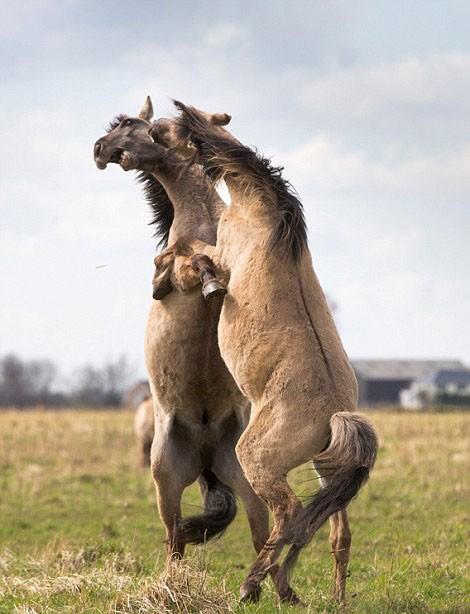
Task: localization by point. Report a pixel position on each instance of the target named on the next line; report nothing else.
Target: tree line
(25, 383)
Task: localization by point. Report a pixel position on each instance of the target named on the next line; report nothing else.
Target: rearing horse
(199, 411)
(279, 341)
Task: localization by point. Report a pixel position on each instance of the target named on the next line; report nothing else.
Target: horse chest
(244, 347)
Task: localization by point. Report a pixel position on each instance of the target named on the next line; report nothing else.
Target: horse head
(122, 133)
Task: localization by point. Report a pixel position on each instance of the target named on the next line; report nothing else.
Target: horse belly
(186, 370)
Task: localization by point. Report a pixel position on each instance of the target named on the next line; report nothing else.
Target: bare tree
(41, 375)
(25, 383)
(102, 387)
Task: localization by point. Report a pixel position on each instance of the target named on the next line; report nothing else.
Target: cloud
(224, 35)
(52, 193)
(325, 164)
(434, 84)
(193, 72)
(16, 21)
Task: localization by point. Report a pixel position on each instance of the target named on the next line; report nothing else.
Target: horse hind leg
(268, 480)
(344, 466)
(284, 506)
(175, 465)
(340, 539)
(228, 469)
(169, 508)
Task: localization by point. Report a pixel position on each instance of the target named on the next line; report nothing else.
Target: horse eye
(127, 122)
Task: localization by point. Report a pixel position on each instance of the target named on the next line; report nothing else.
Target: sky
(366, 104)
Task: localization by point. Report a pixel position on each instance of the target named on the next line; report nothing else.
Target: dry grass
(182, 587)
(79, 532)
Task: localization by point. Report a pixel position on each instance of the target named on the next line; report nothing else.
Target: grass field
(79, 530)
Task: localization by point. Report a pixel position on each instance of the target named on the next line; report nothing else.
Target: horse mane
(155, 195)
(114, 123)
(161, 206)
(223, 155)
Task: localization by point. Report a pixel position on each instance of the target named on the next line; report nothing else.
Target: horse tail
(220, 509)
(345, 466)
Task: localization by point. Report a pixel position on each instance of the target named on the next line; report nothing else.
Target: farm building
(441, 387)
(381, 381)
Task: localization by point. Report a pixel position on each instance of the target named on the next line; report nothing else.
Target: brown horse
(279, 341)
(144, 430)
(199, 411)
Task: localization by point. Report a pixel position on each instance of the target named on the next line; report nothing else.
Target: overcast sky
(367, 104)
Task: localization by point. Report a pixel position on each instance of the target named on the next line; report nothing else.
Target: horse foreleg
(205, 268)
(184, 265)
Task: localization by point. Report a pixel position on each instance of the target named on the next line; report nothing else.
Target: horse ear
(220, 119)
(146, 112)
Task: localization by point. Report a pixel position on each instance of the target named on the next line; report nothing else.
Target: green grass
(79, 531)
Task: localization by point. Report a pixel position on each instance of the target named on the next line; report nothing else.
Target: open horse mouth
(104, 157)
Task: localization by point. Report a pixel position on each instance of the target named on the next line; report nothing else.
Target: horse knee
(242, 449)
(253, 460)
(155, 468)
(157, 462)
(174, 456)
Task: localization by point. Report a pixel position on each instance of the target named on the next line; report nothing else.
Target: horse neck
(250, 209)
(197, 206)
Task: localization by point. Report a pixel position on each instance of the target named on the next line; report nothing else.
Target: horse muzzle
(104, 155)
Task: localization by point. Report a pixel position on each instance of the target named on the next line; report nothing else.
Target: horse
(144, 430)
(139, 400)
(279, 341)
(200, 413)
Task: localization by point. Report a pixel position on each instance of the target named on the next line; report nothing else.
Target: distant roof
(402, 369)
(442, 377)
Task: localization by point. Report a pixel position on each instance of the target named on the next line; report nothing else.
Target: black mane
(155, 195)
(223, 156)
(162, 207)
(114, 123)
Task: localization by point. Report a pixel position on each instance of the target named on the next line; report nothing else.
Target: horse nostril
(98, 148)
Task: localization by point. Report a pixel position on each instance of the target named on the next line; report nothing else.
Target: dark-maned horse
(200, 412)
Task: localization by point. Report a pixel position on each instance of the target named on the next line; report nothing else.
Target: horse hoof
(290, 598)
(159, 292)
(250, 592)
(212, 289)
